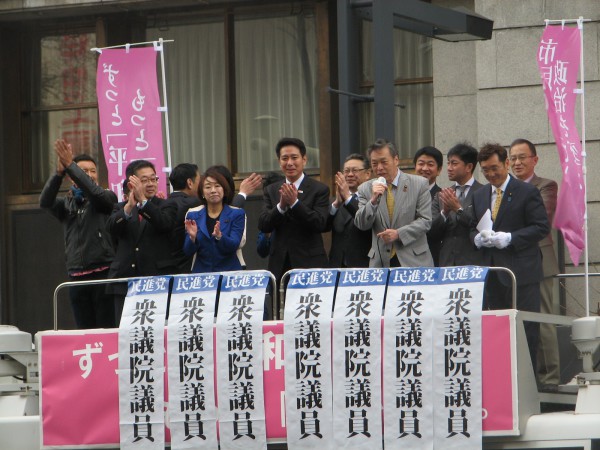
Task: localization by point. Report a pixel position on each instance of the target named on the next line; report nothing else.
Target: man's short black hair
(181, 173)
(465, 152)
(359, 157)
(84, 157)
(430, 151)
(134, 166)
(284, 142)
(527, 143)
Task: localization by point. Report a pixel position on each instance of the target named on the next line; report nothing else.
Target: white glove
(501, 239)
(484, 239)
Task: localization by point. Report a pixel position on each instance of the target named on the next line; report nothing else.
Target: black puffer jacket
(87, 243)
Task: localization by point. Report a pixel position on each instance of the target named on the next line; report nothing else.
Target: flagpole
(581, 92)
(165, 109)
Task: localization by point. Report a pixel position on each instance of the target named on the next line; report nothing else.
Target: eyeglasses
(353, 171)
(521, 158)
(152, 180)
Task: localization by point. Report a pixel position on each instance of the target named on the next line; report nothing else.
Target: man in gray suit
(523, 159)
(398, 212)
(452, 210)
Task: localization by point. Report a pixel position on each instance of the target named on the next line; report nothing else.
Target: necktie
(497, 203)
(390, 207)
(461, 192)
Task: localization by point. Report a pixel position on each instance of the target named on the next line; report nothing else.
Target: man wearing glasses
(523, 159)
(141, 228)
(349, 246)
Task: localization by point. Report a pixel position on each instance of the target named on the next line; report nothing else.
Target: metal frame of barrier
(286, 275)
(125, 280)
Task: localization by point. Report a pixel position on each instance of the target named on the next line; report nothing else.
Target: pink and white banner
(130, 111)
(558, 60)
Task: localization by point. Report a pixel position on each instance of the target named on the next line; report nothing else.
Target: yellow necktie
(390, 207)
(497, 203)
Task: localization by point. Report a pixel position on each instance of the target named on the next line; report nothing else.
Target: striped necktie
(390, 207)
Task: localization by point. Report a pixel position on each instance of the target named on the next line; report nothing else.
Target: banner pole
(584, 171)
(165, 109)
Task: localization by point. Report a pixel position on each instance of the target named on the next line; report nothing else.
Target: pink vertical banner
(558, 61)
(129, 110)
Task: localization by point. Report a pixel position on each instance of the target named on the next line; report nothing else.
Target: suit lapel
(201, 223)
(402, 192)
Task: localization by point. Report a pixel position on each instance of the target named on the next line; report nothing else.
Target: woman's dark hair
(220, 178)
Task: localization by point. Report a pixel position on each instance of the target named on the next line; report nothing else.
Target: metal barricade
(126, 280)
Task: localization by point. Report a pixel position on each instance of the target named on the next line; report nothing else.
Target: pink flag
(128, 106)
(558, 60)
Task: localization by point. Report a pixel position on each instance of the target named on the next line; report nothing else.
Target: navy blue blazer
(212, 255)
(523, 215)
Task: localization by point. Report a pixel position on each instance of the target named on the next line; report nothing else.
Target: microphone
(380, 180)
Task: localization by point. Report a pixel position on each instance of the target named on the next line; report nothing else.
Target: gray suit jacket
(549, 191)
(454, 233)
(411, 218)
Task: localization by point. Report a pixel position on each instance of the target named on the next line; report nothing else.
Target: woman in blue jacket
(214, 230)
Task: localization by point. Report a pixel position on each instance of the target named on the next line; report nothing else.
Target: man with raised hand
(349, 245)
(452, 210)
(83, 213)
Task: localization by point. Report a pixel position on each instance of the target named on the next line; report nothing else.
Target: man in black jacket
(141, 228)
(184, 180)
(83, 213)
(349, 245)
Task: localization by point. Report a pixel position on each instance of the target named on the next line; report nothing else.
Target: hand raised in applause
(64, 154)
(289, 195)
(250, 184)
(191, 228)
(217, 231)
(342, 191)
(449, 200)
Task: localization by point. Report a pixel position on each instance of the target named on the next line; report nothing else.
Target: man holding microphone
(397, 208)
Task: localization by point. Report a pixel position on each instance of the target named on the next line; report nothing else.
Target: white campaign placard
(357, 358)
(407, 355)
(142, 364)
(240, 360)
(190, 344)
(307, 344)
(457, 358)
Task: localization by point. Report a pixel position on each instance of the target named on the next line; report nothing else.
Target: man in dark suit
(296, 209)
(184, 180)
(349, 245)
(141, 228)
(523, 159)
(428, 164)
(519, 223)
(452, 209)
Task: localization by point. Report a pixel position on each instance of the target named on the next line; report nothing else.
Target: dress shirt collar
(296, 183)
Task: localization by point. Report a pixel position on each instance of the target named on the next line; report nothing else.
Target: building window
(274, 81)
(413, 73)
(61, 102)
(276, 90)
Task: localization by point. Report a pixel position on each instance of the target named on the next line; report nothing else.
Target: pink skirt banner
(130, 111)
(558, 60)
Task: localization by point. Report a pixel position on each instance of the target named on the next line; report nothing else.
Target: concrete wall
(491, 91)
